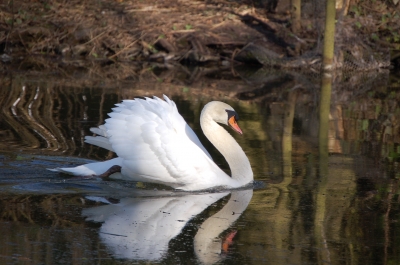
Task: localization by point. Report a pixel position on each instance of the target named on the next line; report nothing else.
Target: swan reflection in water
(141, 228)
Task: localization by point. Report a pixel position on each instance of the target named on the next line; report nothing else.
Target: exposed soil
(200, 32)
(130, 30)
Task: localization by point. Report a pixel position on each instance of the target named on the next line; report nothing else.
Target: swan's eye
(232, 113)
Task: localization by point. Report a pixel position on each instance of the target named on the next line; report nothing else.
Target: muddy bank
(192, 32)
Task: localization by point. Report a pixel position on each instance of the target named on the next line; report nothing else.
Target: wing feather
(99, 141)
(153, 141)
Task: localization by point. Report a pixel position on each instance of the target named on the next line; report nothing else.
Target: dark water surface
(325, 159)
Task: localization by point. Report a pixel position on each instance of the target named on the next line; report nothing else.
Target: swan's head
(222, 113)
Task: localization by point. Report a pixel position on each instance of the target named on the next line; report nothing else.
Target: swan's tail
(92, 169)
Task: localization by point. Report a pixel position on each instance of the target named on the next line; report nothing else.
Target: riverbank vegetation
(199, 32)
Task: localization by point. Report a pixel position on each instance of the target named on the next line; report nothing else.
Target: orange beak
(232, 122)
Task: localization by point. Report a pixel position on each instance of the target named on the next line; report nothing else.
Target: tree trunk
(296, 16)
(329, 35)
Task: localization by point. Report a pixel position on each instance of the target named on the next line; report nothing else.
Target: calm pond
(325, 157)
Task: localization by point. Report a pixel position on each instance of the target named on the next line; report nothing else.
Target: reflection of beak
(232, 122)
(228, 241)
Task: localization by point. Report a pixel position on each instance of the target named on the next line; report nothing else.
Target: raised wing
(154, 142)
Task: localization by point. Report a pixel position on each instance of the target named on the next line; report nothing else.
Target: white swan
(155, 144)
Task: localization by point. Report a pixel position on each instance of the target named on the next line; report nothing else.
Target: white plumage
(155, 144)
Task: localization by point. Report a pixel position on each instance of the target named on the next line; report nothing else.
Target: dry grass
(166, 31)
(120, 30)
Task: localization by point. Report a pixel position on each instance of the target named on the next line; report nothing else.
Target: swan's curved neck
(229, 148)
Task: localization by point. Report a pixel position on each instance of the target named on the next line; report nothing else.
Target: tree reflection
(321, 191)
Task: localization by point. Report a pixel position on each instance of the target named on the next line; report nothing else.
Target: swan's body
(155, 144)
